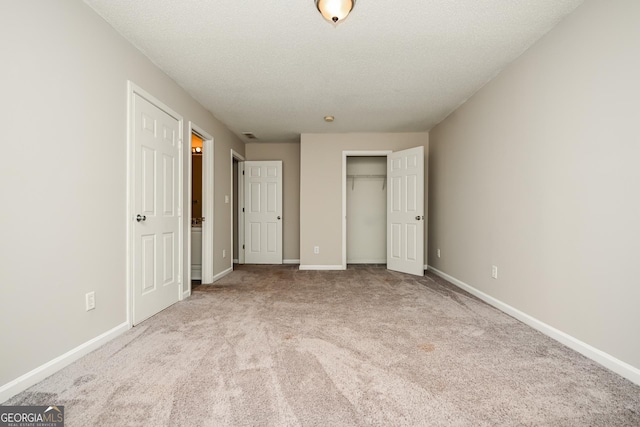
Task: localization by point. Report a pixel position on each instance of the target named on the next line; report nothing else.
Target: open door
(405, 211)
(263, 212)
(207, 211)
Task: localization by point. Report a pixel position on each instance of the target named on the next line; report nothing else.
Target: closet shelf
(384, 183)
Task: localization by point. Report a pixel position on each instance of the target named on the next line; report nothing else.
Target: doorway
(237, 207)
(196, 210)
(200, 212)
(405, 208)
(367, 210)
(346, 155)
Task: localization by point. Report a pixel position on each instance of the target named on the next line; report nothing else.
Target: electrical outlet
(438, 253)
(90, 300)
(316, 249)
(224, 253)
(494, 271)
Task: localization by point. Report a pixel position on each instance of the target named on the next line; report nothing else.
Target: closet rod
(366, 176)
(384, 183)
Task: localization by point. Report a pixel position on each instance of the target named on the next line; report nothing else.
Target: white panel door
(405, 211)
(156, 200)
(263, 212)
(207, 211)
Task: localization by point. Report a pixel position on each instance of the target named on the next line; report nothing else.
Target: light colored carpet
(275, 346)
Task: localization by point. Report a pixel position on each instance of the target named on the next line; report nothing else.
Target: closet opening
(402, 187)
(366, 210)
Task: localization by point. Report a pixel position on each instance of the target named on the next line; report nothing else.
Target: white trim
(618, 366)
(43, 371)
(345, 154)
(321, 267)
(291, 261)
(368, 261)
(132, 89)
(222, 274)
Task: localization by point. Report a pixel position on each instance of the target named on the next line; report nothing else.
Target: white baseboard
(222, 274)
(235, 260)
(367, 261)
(320, 267)
(41, 372)
(291, 261)
(618, 366)
(196, 272)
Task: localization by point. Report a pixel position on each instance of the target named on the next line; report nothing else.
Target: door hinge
(242, 172)
(242, 209)
(242, 246)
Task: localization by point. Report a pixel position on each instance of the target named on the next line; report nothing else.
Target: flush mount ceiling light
(335, 10)
(329, 119)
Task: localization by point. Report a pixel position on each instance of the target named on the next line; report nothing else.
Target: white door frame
(207, 205)
(240, 182)
(132, 90)
(345, 154)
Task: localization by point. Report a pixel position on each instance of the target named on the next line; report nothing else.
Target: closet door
(405, 211)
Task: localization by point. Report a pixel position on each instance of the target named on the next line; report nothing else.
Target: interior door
(207, 211)
(156, 222)
(263, 212)
(405, 211)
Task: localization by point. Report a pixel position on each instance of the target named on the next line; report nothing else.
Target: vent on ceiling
(249, 135)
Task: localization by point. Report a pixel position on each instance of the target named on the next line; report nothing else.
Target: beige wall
(321, 187)
(538, 174)
(289, 153)
(64, 107)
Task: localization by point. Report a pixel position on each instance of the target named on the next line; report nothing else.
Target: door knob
(140, 218)
(418, 218)
(278, 216)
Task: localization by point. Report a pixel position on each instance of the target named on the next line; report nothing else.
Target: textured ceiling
(276, 68)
